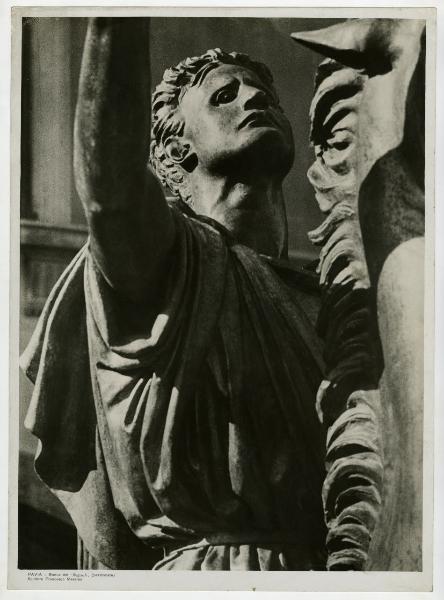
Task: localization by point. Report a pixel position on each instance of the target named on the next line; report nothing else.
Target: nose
(254, 98)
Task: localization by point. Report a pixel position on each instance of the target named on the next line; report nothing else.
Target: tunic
(192, 429)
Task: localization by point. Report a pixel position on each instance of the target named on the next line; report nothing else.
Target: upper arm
(131, 243)
(131, 228)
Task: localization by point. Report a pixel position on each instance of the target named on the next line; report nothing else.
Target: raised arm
(131, 228)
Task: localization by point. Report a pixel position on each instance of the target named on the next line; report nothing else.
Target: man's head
(214, 110)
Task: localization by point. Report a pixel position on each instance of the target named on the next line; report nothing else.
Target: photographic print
(225, 236)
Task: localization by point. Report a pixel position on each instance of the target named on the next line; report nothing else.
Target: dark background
(52, 223)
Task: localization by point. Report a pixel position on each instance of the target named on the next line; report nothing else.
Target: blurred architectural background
(52, 223)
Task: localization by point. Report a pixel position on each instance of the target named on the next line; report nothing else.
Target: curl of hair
(166, 121)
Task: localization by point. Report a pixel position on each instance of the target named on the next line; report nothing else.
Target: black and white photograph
(224, 346)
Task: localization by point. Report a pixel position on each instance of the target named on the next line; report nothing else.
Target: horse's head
(367, 129)
(367, 118)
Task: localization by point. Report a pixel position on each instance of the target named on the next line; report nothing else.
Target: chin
(261, 150)
(272, 151)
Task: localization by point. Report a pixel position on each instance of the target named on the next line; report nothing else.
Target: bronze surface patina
(200, 411)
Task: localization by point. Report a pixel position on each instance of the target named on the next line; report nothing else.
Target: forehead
(220, 76)
(226, 72)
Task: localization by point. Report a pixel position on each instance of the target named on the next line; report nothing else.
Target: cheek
(205, 127)
(217, 132)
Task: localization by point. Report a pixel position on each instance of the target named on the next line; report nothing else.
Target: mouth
(257, 119)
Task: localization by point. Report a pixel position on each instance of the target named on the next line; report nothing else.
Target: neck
(251, 209)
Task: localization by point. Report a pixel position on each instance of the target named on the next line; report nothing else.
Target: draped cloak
(194, 429)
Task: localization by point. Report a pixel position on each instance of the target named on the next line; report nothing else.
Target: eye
(339, 140)
(224, 96)
(340, 145)
(336, 150)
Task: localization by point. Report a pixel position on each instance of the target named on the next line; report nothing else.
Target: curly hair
(166, 119)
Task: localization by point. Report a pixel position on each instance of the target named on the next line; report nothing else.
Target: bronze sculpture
(185, 416)
(200, 437)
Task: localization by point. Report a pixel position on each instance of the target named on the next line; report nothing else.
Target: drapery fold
(189, 415)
